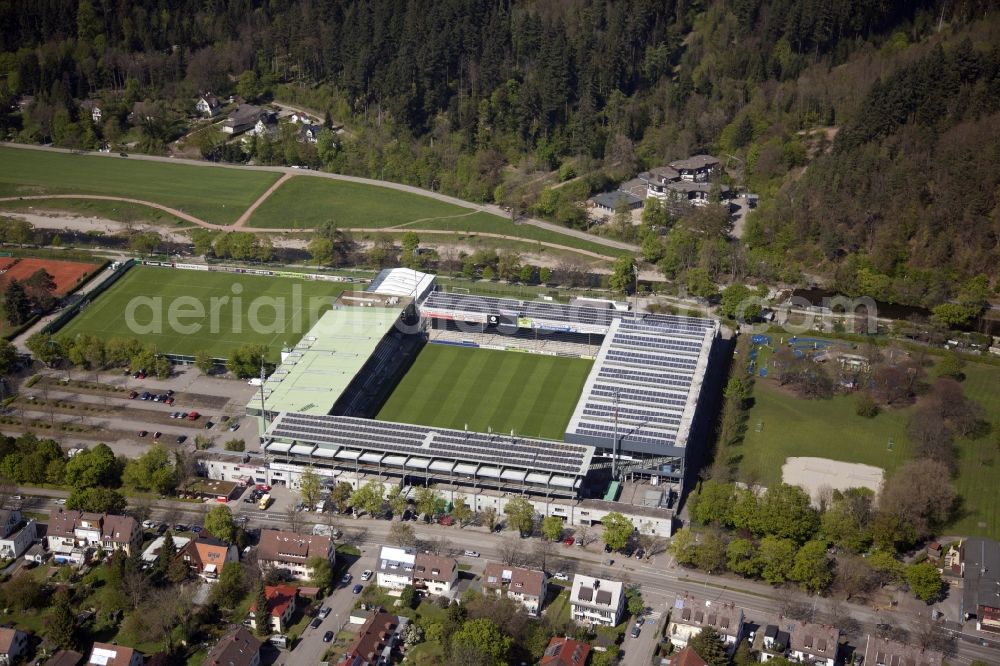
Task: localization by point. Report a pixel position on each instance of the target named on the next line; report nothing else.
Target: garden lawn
(451, 387)
(217, 195)
(269, 311)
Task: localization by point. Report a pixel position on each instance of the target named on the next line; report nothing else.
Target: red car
(193, 416)
(169, 400)
(568, 541)
(447, 521)
(133, 395)
(263, 486)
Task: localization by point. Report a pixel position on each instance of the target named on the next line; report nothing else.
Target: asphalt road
(659, 579)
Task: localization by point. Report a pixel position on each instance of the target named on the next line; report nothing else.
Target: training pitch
(215, 312)
(451, 387)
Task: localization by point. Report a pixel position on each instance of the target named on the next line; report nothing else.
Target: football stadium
(491, 396)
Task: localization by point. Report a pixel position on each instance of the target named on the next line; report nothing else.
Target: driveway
(311, 648)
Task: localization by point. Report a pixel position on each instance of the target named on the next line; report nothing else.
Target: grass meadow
(449, 387)
(213, 194)
(246, 316)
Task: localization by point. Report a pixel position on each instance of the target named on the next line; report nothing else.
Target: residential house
(208, 105)
(13, 644)
(799, 641)
(281, 601)
(152, 552)
(244, 117)
(65, 658)
(106, 654)
(92, 108)
(394, 570)
(696, 169)
(16, 534)
(526, 586)
(70, 533)
(36, 553)
(686, 657)
(120, 533)
(267, 125)
(207, 556)
(310, 132)
(883, 652)
(435, 573)
(236, 648)
(376, 641)
(565, 651)
(691, 614)
(596, 601)
(291, 552)
(981, 591)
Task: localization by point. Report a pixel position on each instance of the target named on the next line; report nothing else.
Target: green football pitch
(451, 387)
(215, 312)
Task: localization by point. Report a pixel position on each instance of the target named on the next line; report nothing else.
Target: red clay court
(67, 274)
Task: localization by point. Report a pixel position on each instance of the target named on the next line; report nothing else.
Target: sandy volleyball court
(814, 474)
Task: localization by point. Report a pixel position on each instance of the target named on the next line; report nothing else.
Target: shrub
(236, 445)
(866, 406)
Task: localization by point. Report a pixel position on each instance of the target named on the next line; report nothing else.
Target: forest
(868, 128)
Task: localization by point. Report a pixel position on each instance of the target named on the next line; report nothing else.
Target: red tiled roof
(564, 651)
(278, 598)
(687, 657)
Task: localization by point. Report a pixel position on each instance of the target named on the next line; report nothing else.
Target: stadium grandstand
(423, 454)
(345, 363)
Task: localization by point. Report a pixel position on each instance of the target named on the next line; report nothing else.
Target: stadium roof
(402, 282)
(655, 373)
(551, 316)
(494, 456)
(313, 375)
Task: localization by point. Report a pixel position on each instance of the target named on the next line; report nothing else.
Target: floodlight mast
(263, 409)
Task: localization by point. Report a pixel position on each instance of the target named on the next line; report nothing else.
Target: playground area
(816, 474)
(762, 359)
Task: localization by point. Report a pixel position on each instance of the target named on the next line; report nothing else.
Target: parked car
(568, 541)
(147, 524)
(193, 416)
(324, 612)
(169, 400)
(145, 395)
(170, 391)
(315, 623)
(180, 527)
(157, 434)
(607, 548)
(196, 529)
(639, 554)
(208, 425)
(133, 395)
(161, 528)
(471, 553)
(346, 578)
(366, 574)
(181, 439)
(60, 501)
(234, 427)
(635, 632)
(447, 521)
(561, 576)
(357, 588)
(143, 433)
(327, 637)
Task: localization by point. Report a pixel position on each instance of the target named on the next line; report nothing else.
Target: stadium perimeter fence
(82, 300)
(266, 272)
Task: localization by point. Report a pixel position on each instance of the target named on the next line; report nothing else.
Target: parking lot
(130, 412)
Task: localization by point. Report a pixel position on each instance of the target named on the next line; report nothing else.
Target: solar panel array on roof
(431, 443)
(579, 318)
(648, 374)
